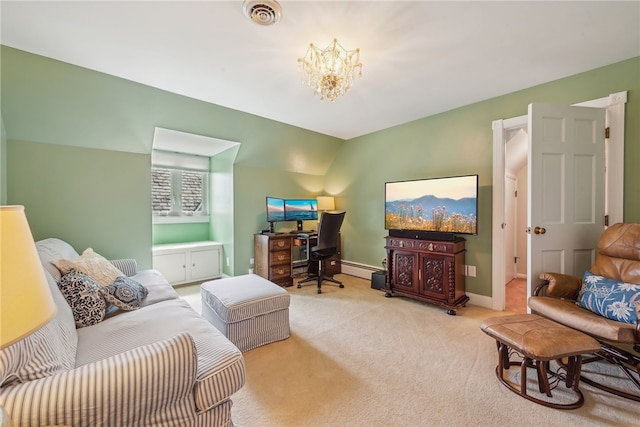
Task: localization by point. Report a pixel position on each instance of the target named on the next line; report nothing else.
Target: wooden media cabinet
(431, 271)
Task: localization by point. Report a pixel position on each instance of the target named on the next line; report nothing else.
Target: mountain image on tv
(431, 213)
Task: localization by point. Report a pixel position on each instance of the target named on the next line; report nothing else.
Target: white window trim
(184, 219)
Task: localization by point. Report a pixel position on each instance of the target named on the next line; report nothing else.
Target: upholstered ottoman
(249, 310)
(539, 341)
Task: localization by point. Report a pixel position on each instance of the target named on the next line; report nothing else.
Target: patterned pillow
(609, 298)
(91, 264)
(124, 293)
(83, 296)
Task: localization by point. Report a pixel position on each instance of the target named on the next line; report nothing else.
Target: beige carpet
(356, 358)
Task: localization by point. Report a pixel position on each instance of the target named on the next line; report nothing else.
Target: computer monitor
(275, 211)
(300, 210)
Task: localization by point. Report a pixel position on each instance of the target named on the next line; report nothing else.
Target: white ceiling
(419, 57)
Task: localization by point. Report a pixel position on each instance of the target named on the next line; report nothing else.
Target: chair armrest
(559, 285)
(128, 266)
(150, 385)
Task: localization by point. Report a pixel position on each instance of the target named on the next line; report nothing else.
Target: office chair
(326, 247)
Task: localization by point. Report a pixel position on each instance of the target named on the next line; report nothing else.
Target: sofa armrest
(128, 266)
(559, 285)
(149, 385)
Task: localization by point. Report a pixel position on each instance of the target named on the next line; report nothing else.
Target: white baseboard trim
(480, 300)
(359, 270)
(364, 271)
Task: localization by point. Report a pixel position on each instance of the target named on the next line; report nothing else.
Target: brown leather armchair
(555, 297)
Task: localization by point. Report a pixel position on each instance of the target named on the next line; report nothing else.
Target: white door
(566, 188)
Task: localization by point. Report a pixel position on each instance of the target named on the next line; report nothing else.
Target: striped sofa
(159, 365)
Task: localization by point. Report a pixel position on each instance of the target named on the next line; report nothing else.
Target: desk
(275, 256)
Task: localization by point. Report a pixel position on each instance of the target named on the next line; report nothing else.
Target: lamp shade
(326, 203)
(26, 303)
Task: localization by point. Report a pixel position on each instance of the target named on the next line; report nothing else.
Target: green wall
(84, 196)
(3, 163)
(76, 137)
(461, 142)
(50, 102)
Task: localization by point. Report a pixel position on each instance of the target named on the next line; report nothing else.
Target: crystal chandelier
(330, 71)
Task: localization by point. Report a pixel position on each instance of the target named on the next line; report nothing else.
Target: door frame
(614, 104)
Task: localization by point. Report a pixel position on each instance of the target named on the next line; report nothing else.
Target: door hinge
(606, 220)
(607, 132)
(516, 193)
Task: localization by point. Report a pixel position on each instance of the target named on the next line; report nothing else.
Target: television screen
(275, 209)
(300, 210)
(448, 205)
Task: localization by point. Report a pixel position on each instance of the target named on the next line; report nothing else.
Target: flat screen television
(300, 210)
(432, 207)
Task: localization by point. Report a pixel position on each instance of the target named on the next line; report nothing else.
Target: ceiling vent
(263, 12)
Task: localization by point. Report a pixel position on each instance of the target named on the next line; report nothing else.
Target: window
(178, 192)
(179, 187)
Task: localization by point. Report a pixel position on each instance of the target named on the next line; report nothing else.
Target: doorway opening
(515, 237)
(505, 238)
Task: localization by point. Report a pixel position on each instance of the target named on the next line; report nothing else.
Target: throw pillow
(610, 298)
(91, 264)
(83, 296)
(124, 293)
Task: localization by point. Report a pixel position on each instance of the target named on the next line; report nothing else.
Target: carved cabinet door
(434, 275)
(405, 271)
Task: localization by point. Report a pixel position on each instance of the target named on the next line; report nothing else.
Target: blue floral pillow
(125, 293)
(609, 298)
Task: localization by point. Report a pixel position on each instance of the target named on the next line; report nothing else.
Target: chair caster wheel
(341, 286)
(319, 291)
(299, 286)
(451, 312)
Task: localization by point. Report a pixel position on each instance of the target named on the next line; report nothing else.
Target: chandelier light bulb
(330, 72)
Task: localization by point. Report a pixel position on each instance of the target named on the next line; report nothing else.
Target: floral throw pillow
(125, 293)
(83, 296)
(609, 298)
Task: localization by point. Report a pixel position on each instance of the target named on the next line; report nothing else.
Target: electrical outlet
(250, 261)
(471, 270)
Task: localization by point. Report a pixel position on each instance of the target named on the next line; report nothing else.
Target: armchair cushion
(613, 299)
